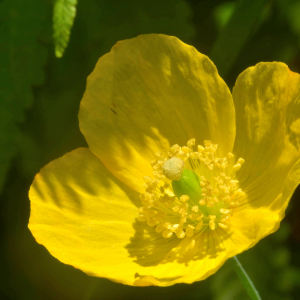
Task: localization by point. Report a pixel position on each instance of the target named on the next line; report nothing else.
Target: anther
(159, 228)
(212, 224)
(237, 167)
(224, 211)
(167, 233)
(199, 225)
(195, 208)
(189, 231)
(184, 198)
(222, 225)
(191, 143)
(240, 161)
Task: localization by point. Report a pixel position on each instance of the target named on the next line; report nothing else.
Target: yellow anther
(203, 183)
(183, 208)
(207, 143)
(230, 155)
(159, 228)
(223, 219)
(167, 233)
(189, 231)
(186, 149)
(173, 168)
(151, 222)
(240, 192)
(176, 208)
(224, 211)
(202, 202)
(180, 233)
(195, 208)
(199, 225)
(237, 167)
(200, 149)
(151, 213)
(182, 155)
(184, 198)
(212, 217)
(191, 143)
(212, 224)
(222, 225)
(211, 166)
(142, 218)
(174, 227)
(174, 150)
(240, 161)
(168, 225)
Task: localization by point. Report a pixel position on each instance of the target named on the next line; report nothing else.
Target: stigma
(192, 190)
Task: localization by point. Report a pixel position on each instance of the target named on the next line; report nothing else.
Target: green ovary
(188, 184)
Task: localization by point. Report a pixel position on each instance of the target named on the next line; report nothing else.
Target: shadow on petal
(149, 248)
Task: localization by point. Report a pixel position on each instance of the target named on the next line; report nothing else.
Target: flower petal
(148, 93)
(83, 215)
(268, 132)
(87, 218)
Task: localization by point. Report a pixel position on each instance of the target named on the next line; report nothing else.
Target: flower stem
(245, 279)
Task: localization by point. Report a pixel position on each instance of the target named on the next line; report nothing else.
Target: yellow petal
(86, 218)
(82, 214)
(148, 93)
(267, 105)
(249, 226)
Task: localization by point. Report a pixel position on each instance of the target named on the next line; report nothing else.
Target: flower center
(192, 191)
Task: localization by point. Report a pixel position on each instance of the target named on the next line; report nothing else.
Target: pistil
(192, 191)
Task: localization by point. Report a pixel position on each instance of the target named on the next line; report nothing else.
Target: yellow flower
(180, 175)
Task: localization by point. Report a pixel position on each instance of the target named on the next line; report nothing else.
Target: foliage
(63, 17)
(22, 58)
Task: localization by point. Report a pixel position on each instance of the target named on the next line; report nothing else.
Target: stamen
(191, 191)
(167, 233)
(222, 225)
(190, 231)
(212, 224)
(184, 198)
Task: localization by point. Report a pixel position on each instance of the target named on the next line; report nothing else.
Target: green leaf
(21, 61)
(245, 19)
(63, 19)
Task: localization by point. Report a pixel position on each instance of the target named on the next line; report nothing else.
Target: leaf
(21, 61)
(63, 19)
(245, 19)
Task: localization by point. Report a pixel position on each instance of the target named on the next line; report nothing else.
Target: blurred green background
(39, 102)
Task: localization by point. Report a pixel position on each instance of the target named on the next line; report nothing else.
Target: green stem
(245, 279)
